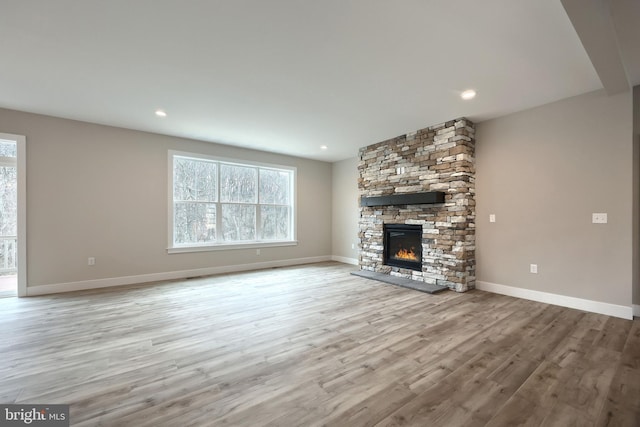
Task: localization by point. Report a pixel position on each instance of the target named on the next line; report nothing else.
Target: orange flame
(406, 254)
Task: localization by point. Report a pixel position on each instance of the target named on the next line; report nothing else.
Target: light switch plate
(492, 218)
(599, 218)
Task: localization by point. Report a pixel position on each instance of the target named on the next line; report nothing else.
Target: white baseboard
(624, 312)
(344, 260)
(169, 275)
(636, 310)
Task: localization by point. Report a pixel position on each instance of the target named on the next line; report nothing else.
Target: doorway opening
(12, 216)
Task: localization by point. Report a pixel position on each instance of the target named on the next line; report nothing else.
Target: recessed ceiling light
(468, 94)
(323, 147)
(161, 113)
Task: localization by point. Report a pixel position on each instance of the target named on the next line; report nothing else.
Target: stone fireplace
(421, 183)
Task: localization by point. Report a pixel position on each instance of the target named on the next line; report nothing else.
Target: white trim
(8, 161)
(169, 275)
(22, 215)
(170, 198)
(21, 145)
(223, 247)
(624, 312)
(636, 310)
(230, 160)
(344, 260)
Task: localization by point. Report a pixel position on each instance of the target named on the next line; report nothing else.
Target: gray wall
(344, 232)
(543, 172)
(101, 191)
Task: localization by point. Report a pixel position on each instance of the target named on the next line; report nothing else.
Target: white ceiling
(291, 75)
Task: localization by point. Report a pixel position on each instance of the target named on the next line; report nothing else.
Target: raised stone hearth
(435, 159)
(401, 281)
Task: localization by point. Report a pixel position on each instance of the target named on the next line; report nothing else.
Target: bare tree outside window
(276, 222)
(8, 149)
(238, 184)
(274, 187)
(8, 207)
(194, 194)
(275, 191)
(238, 222)
(8, 201)
(216, 202)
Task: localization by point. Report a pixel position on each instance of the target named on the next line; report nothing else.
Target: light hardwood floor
(313, 345)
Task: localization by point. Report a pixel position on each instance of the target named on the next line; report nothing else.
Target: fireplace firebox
(403, 246)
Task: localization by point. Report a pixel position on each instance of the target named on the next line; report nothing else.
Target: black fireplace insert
(403, 246)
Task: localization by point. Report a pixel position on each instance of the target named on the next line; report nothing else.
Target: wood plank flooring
(315, 346)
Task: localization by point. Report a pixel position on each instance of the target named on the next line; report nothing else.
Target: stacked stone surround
(437, 158)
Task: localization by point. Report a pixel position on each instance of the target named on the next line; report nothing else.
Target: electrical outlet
(91, 261)
(492, 218)
(599, 218)
(353, 246)
(533, 268)
(257, 251)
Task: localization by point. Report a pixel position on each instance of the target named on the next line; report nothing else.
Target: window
(216, 203)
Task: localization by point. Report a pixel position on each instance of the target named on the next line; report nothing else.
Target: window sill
(229, 246)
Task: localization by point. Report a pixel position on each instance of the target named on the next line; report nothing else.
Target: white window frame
(216, 246)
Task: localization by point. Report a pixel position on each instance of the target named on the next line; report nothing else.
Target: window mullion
(258, 219)
(218, 205)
